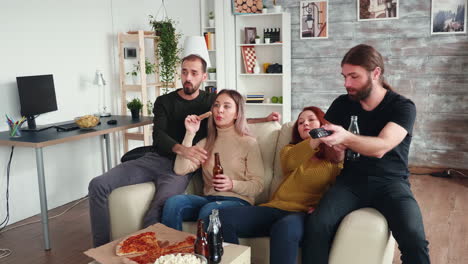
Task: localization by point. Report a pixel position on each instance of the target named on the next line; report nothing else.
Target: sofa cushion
(284, 138)
(267, 137)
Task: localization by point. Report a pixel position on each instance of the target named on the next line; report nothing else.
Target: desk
(49, 137)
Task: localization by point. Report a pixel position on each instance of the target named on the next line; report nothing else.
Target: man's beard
(189, 89)
(363, 92)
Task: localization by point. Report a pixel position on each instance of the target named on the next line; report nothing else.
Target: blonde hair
(240, 124)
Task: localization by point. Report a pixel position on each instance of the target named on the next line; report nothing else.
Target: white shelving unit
(271, 84)
(216, 53)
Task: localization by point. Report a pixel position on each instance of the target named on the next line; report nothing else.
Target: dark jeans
(391, 197)
(187, 207)
(149, 168)
(284, 228)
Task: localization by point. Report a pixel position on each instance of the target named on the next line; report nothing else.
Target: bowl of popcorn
(181, 258)
(87, 121)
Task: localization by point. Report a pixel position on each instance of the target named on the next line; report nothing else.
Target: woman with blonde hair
(240, 157)
(309, 168)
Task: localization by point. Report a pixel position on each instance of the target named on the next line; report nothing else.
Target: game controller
(320, 132)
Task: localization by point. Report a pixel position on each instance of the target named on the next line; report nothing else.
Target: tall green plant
(168, 49)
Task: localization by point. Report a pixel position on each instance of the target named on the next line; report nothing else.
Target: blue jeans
(284, 228)
(186, 207)
(391, 197)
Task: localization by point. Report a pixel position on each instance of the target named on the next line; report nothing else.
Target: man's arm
(390, 136)
(161, 140)
(274, 116)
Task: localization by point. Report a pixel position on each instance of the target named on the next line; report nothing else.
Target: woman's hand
(192, 123)
(222, 183)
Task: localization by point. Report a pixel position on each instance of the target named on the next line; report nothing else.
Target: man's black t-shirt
(393, 108)
(170, 111)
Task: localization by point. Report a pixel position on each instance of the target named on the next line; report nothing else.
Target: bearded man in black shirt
(170, 111)
(379, 177)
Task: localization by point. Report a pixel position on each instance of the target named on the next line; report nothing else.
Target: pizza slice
(138, 244)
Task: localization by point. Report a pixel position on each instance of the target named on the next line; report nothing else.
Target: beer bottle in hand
(217, 169)
(353, 128)
(201, 244)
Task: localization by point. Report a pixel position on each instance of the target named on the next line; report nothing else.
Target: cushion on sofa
(284, 138)
(267, 137)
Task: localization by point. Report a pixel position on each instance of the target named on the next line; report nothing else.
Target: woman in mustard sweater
(309, 168)
(240, 157)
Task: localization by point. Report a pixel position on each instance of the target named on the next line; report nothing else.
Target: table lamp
(101, 83)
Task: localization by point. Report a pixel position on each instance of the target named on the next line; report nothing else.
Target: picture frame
(448, 17)
(130, 53)
(313, 19)
(249, 35)
(242, 7)
(368, 10)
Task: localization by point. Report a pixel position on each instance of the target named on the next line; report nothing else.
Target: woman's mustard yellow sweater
(306, 178)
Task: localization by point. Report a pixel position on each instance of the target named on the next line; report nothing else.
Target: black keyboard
(67, 127)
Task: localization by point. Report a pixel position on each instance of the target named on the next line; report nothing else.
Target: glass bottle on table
(217, 169)
(353, 128)
(215, 240)
(201, 244)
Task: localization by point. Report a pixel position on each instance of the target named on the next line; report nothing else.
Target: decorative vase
(211, 22)
(135, 113)
(256, 69)
(136, 79)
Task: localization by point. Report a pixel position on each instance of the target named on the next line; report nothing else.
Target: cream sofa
(362, 238)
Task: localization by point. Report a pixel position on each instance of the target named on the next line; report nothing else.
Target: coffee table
(233, 254)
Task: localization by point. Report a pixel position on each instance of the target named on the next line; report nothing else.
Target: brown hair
(367, 57)
(194, 57)
(240, 124)
(296, 137)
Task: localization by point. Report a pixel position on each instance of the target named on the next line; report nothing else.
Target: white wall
(69, 39)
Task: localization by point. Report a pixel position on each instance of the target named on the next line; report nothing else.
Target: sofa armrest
(363, 237)
(128, 206)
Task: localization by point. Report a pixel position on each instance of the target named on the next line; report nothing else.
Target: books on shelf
(255, 97)
(211, 89)
(210, 40)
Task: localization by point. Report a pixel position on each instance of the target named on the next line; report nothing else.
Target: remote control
(320, 132)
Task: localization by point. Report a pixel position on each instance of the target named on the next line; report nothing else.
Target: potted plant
(265, 8)
(149, 107)
(211, 16)
(135, 107)
(276, 7)
(167, 50)
(149, 69)
(257, 39)
(212, 74)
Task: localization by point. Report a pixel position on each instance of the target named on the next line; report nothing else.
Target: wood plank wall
(430, 70)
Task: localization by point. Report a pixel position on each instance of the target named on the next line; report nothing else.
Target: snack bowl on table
(87, 121)
(181, 258)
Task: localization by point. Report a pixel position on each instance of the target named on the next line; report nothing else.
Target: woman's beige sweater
(240, 158)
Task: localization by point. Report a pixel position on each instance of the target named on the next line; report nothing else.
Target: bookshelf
(269, 84)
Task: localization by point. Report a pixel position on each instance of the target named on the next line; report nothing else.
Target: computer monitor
(37, 96)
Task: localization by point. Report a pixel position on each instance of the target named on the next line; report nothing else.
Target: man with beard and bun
(170, 111)
(379, 177)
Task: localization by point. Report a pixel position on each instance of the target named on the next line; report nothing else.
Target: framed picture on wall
(314, 19)
(448, 17)
(241, 7)
(250, 34)
(377, 9)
